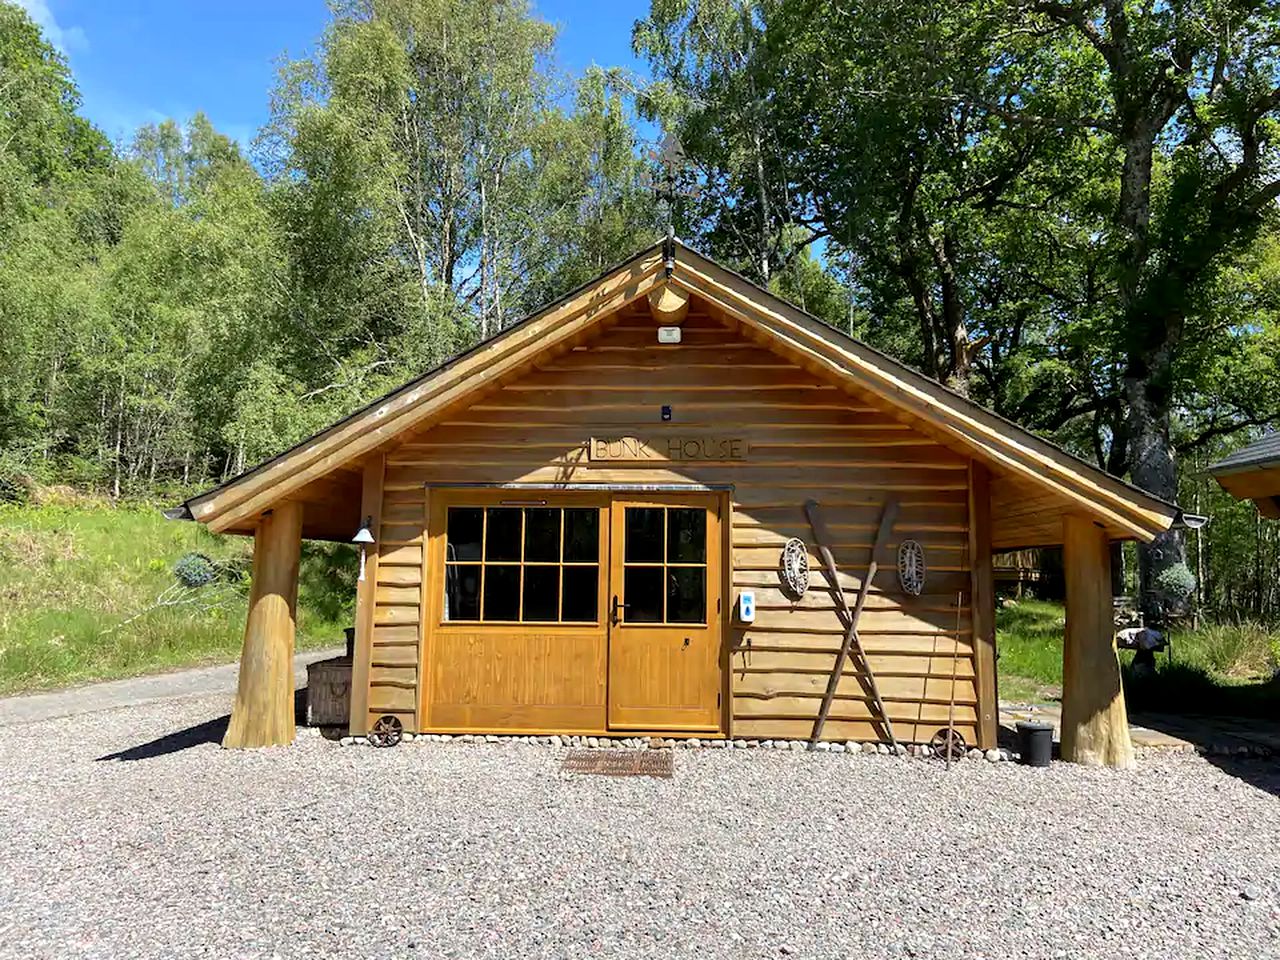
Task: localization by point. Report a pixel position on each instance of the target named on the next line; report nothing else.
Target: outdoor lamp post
(364, 536)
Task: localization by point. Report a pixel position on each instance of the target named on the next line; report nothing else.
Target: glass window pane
(642, 593)
(686, 536)
(462, 592)
(686, 594)
(502, 592)
(582, 536)
(502, 539)
(541, 593)
(542, 535)
(581, 594)
(644, 535)
(465, 530)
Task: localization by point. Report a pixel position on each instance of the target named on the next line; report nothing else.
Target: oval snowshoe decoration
(795, 567)
(911, 568)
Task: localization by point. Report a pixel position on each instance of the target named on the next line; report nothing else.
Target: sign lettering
(678, 449)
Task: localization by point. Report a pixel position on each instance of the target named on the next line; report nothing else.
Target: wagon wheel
(386, 732)
(948, 744)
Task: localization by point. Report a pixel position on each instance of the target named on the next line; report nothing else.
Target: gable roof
(780, 325)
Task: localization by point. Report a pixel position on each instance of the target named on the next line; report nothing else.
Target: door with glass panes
(663, 613)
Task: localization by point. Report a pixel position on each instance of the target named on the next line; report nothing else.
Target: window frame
(522, 501)
(666, 564)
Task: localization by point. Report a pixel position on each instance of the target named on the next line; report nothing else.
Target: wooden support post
(262, 715)
(1095, 726)
(982, 603)
(366, 596)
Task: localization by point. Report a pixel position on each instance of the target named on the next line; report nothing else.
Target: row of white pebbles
(693, 743)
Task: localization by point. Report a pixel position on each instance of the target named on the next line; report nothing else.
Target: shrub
(195, 570)
(1177, 581)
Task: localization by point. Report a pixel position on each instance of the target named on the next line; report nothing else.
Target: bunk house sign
(632, 449)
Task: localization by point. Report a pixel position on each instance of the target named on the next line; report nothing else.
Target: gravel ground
(480, 850)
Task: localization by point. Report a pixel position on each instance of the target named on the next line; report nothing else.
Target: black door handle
(686, 641)
(613, 613)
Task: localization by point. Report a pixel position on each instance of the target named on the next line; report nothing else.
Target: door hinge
(718, 696)
(717, 604)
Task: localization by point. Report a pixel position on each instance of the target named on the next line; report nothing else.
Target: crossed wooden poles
(852, 645)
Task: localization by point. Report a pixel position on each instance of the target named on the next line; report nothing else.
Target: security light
(364, 536)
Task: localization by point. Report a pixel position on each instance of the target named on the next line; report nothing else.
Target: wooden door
(664, 613)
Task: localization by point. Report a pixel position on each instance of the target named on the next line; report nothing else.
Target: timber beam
(1095, 725)
(262, 715)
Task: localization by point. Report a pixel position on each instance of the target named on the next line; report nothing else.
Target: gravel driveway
(477, 850)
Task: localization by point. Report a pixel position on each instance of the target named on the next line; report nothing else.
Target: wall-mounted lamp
(364, 536)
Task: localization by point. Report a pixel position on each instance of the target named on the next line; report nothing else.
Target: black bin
(1035, 743)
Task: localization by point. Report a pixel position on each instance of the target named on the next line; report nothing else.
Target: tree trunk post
(262, 715)
(1095, 726)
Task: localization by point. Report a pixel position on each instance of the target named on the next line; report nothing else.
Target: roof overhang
(1258, 481)
(1125, 510)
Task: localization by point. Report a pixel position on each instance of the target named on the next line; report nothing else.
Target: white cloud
(65, 39)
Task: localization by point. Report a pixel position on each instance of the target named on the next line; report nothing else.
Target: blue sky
(138, 62)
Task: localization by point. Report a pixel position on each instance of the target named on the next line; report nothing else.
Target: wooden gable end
(771, 434)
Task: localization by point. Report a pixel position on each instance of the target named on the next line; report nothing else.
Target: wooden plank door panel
(664, 645)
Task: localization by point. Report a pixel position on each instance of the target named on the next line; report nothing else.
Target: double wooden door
(664, 613)
(577, 612)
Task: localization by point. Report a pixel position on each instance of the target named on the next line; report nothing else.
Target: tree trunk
(1152, 467)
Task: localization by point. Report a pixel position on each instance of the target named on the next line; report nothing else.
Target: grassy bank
(88, 591)
(1218, 668)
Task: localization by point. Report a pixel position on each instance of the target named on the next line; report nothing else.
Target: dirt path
(95, 697)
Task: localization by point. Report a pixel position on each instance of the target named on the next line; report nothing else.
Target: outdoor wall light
(364, 536)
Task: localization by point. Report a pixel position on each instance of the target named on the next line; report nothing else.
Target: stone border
(868, 748)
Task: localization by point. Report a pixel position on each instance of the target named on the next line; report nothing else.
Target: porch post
(1095, 726)
(262, 715)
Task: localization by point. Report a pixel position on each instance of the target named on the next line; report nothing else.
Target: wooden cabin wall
(806, 439)
(397, 615)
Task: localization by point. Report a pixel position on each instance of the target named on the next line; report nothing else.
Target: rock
(822, 746)
(852, 746)
(797, 746)
(593, 741)
(347, 741)
(361, 741)
(974, 754)
(718, 744)
(883, 749)
(693, 743)
(837, 748)
(869, 748)
(781, 745)
(490, 738)
(445, 737)
(555, 741)
(901, 750)
(1250, 893)
(656, 743)
(926, 750)
(743, 744)
(993, 755)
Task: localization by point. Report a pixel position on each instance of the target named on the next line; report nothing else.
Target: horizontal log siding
(806, 439)
(397, 618)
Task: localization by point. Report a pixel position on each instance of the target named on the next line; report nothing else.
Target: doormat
(620, 763)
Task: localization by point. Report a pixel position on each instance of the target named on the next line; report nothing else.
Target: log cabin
(598, 522)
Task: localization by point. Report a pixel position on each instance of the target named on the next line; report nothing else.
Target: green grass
(1029, 643)
(78, 581)
(1224, 668)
